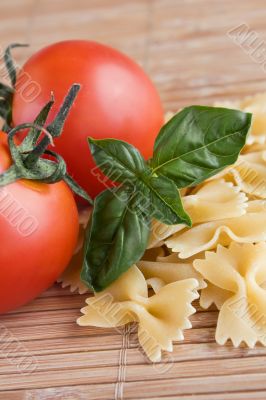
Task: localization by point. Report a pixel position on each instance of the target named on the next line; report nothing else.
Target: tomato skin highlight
(37, 239)
(116, 100)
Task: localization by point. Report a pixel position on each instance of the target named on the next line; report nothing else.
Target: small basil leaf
(199, 142)
(117, 159)
(166, 204)
(116, 237)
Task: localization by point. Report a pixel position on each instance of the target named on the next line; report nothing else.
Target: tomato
(116, 100)
(38, 230)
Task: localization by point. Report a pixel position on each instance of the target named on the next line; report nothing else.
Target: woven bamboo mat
(185, 47)
(45, 355)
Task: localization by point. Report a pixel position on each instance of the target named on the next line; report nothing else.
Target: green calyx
(6, 92)
(30, 157)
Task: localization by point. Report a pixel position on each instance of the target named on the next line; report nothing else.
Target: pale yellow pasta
(160, 231)
(169, 115)
(84, 217)
(71, 276)
(161, 318)
(213, 295)
(238, 272)
(257, 106)
(248, 228)
(174, 258)
(253, 148)
(214, 200)
(153, 253)
(160, 273)
(249, 173)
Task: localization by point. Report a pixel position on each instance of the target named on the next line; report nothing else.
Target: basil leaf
(117, 159)
(116, 237)
(199, 142)
(166, 204)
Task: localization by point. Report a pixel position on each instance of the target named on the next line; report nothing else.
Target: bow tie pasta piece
(214, 200)
(253, 148)
(238, 272)
(173, 258)
(71, 276)
(161, 318)
(249, 173)
(257, 106)
(213, 295)
(248, 228)
(160, 273)
(160, 231)
(165, 316)
(153, 253)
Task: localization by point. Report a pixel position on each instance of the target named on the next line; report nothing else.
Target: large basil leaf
(118, 160)
(199, 142)
(166, 204)
(116, 237)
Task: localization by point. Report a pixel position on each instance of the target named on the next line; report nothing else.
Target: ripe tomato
(38, 230)
(116, 100)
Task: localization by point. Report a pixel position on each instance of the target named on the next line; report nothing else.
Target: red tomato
(116, 100)
(38, 230)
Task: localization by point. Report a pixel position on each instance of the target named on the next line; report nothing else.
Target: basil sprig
(194, 145)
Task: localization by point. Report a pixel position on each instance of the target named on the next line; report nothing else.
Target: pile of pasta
(221, 259)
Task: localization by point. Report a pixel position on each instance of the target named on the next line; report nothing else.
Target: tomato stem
(28, 160)
(55, 128)
(9, 63)
(34, 134)
(6, 92)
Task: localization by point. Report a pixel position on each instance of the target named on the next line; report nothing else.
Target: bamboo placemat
(45, 355)
(185, 47)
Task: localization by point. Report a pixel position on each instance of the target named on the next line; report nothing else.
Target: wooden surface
(185, 48)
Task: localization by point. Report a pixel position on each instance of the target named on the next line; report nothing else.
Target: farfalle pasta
(248, 228)
(213, 295)
(249, 174)
(257, 106)
(238, 272)
(161, 318)
(160, 273)
(221, 255)
(214, 200)
(71, 276)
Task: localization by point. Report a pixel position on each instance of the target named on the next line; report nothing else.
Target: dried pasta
(161, 318)
(71, 276)
(160, 273)
(249, 174)
(257, 106)
(238, 272)
(214, 200)
(248, 228)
